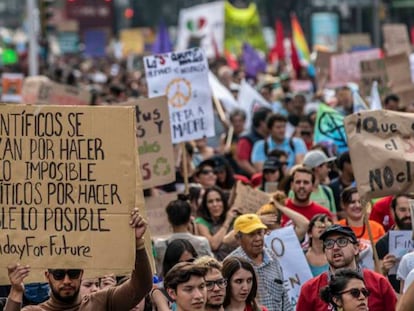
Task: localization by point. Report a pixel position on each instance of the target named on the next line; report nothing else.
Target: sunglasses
(356, 292)
(221, 283)
(206, 172)
(59, 274)
(322, 224)
(341, 242)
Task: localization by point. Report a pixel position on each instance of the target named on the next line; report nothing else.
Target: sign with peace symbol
(178, 92)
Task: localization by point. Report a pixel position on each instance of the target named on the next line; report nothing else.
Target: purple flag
(162, 43)
(253, 63)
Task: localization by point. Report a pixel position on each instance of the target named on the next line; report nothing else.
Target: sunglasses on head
(356, 292)
(59, 274)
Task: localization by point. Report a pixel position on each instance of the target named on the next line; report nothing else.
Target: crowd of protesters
(216, 258)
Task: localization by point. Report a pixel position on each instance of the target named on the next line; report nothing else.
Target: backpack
(291, 145)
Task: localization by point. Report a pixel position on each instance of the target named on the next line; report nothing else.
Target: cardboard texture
(155, 149)
(396, 39)
(322, 65)
(381, 145)
(71, 188)
(38, 90)
(132, 41)
(348, 41)
(373, 70)
(248, 199)
(157, 216)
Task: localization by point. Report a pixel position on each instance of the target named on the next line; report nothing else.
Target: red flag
(231, 60)
(278, 50)
(294, 58)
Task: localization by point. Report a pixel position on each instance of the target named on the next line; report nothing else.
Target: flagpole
(185, 168)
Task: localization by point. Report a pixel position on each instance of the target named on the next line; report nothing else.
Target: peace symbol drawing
(178, 92)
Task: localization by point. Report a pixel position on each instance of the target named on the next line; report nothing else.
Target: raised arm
(130, 293)
(17, 274)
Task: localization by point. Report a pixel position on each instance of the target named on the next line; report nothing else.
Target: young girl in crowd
(346, 291)
(241, 285)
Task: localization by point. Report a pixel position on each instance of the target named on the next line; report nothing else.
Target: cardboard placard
(12, 84)
(396, 39)
(156, 154)
(381, 145)
(373, 70)
(398, 72)
(348, 41)
(400, 242)
(38, 90)
(322, 65)
(157, 216)
(71, 188)
(248, 199)
(183, 78)
(132, 40)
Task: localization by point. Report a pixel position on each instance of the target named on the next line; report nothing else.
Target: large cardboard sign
(157, 216)
(183, 78)
(248, 199)
(296, 271)
(349, 41)
(69, 183)
(12, 84)
(38, 90)
(381, 145)
(132, 41)
(396, 39)
(398, 71)
(346, 67)
(156, 154)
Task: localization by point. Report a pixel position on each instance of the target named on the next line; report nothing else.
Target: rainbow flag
(301, 45)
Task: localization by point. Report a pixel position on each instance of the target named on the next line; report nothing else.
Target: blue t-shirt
(258, 152)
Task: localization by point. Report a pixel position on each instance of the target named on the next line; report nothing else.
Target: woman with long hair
(346, 291)
(214, 221)
(241, 285)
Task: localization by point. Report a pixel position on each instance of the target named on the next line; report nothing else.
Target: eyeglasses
(206, 172)
(322, 224)
(59, 274)
(221, 283)
(356, 292)
(341, 242)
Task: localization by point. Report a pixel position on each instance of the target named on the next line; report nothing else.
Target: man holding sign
(65, 284)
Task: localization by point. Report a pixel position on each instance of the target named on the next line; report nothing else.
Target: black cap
(271, 163)
(340, 230)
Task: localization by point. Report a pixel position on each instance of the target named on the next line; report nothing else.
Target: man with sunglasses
(65, 284)
(215, 283)
(341, 249)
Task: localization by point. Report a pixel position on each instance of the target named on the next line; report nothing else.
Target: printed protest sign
(157, 216)
(349, 41)
(202, 23)
(39, 90)
(183, 78)
(396, 39)
(68, 187)
(373, 70)
(400, 242)
(296, 271)
(156, 154)
(346, 67)
(381, 145)
(12, 84)
(248, 199)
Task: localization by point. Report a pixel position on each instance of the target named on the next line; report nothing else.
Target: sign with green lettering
(67, 187)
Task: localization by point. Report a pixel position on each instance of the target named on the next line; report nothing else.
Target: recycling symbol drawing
(161, 167)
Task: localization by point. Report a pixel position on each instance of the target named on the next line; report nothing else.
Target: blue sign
(95, 43)
(68, 42)
(325, 31)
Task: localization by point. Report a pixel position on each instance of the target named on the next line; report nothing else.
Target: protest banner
(157, 216)
(400, 242)
(156, 154)
(222, 93)
(373, 70)
(95, 42)
(396, 39)
(183, 78)
(285, 244)
(248, 199)
(346, 67)
(202, 23)
(329, 128)
(325, 31)
(381, 145)
(242, 25)
(132, 41)
(12, 85)
(67, 188)
(347, 42)
(39, 90)
(250, 100)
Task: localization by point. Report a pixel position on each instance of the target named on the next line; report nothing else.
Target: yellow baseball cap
(248, 223)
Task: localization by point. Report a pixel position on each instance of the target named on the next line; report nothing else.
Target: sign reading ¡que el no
(67, 186)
